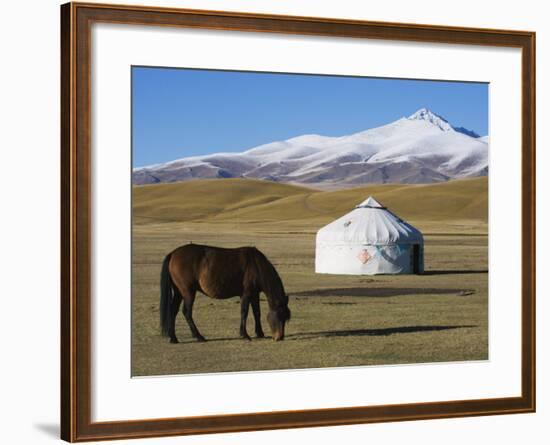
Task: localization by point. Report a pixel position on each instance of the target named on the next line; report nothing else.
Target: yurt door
(416, 258)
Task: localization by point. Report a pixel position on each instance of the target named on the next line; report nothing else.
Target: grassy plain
(441, 315)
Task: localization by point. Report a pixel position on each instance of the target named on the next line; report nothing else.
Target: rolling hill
(248, 200)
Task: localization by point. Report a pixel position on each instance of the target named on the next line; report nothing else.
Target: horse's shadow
(380, 332)
(219, 339)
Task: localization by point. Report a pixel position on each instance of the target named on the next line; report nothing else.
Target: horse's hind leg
(188, 301)
(175, 307)
(255, 302)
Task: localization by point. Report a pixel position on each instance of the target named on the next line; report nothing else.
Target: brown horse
(221, 273)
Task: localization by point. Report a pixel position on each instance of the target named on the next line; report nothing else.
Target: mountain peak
(424, 114)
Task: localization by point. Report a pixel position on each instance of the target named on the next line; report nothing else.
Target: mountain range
(421, 148)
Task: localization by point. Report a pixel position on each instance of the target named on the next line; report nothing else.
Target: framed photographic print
(276, 222)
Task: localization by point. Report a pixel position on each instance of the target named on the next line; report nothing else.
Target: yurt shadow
(455, 272)
(380, 292)
(380, 332)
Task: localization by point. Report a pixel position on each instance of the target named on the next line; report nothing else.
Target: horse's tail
(166, 297)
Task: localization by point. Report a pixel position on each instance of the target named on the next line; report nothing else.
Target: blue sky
(181, 112)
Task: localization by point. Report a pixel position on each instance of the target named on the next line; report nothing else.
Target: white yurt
(369, 240)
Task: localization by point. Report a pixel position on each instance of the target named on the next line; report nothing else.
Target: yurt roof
(370, 202)
(369, 223)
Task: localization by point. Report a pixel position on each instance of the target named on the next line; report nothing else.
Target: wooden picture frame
(76, 221)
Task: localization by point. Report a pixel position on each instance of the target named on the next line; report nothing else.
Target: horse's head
(277, 318)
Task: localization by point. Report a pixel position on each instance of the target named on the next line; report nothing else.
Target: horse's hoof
(260, 335)
(201, 339)
(174, 340)
(246, 337)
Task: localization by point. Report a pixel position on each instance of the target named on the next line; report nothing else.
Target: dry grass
(336, 320)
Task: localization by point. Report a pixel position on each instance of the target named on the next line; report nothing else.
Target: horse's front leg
(255, 302)
(245, 303)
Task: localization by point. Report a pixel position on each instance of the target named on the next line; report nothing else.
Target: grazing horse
(221, 273)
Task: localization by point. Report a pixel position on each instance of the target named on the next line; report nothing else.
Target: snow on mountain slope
(421, 148)
(484, 139)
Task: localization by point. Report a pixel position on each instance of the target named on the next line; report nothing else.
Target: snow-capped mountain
(421, 148)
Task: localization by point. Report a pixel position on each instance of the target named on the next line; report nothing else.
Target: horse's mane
(268, 278)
